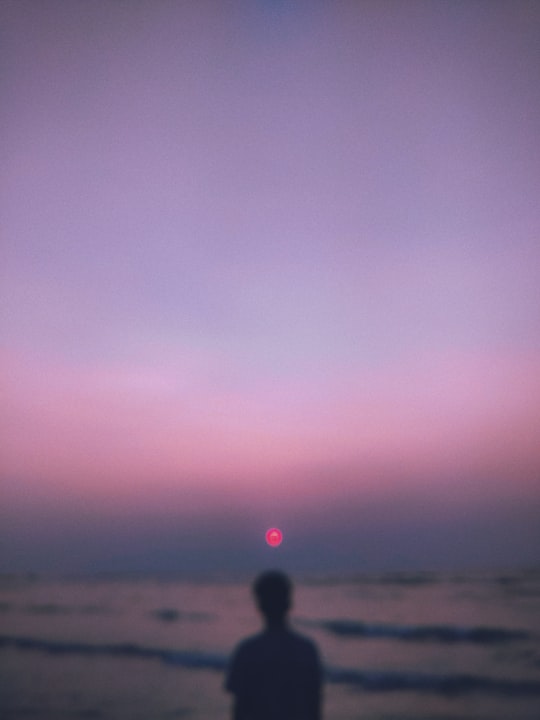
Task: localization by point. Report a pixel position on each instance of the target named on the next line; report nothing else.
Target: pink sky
(266, 263)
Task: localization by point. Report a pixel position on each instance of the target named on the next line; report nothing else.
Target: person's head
(272, 591)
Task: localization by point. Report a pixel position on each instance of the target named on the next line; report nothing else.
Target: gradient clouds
(267, 259)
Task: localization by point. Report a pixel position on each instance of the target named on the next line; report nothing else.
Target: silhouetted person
(275, 675)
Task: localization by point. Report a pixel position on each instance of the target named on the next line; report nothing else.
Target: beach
(394, 646)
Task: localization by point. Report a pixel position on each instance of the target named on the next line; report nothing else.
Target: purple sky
(270, 263)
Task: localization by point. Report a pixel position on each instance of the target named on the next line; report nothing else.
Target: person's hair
(272, 590)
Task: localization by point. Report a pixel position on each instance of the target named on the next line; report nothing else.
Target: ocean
(398, 646)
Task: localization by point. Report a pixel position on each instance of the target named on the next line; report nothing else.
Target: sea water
(394, 646)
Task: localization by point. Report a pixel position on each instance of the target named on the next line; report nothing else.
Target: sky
(269, 263)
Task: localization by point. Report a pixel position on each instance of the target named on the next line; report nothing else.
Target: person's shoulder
(248, 644)
(301, 638)
(303, 642)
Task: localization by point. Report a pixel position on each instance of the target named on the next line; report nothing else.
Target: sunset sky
(269, 262)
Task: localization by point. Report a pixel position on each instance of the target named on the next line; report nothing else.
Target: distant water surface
(395, 647)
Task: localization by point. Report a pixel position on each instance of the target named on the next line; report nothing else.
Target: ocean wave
(184, 658)
(419, 633)
(168, 615)
(459, 684)
(408, 579)
(56, 609)
(368, 681)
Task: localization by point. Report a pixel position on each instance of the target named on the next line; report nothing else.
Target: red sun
(274, 537)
